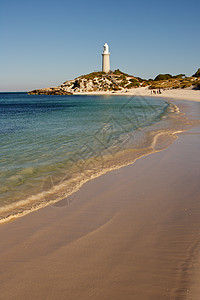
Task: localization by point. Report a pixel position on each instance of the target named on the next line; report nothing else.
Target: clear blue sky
(43, 43)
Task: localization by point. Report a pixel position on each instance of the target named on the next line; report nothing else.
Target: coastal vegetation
(197, 74)
(119, 81)
(163, 77)
(180, 81)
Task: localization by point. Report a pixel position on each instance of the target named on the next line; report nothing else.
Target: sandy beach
(132, 233)
(182, 94)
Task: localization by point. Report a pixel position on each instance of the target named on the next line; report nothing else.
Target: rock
(50, 91)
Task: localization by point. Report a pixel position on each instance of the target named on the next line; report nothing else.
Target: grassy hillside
(118, 80)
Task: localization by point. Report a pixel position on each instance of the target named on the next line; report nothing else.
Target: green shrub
(134, 80)
(118, 72)
(197, 84)
(123, 83)
(186, 84)
(139, 79)
(145, 83)
(180, 76)
(163, 77)
(197, 74)
(123, 77)
(133, 85)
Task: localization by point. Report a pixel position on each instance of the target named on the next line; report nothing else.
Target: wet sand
(133, 233)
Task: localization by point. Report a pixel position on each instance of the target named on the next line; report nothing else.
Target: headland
(119, 83)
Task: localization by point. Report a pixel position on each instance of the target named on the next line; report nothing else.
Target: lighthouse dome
(105, 49)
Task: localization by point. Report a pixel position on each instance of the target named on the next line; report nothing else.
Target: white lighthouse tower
(105, 59)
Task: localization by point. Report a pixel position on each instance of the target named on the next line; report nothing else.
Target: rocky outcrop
(96, 81)
(50, 91)
(100, 81)
(118, 81)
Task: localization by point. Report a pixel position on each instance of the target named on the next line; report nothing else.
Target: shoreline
(35, 208)
(132, 232)
(176, 94)
(155, 137)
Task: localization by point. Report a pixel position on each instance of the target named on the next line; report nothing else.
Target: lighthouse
(105, 59)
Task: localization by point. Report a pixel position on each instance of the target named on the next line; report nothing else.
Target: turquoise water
(45, 140)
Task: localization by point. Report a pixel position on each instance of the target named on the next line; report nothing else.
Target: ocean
(51, 145)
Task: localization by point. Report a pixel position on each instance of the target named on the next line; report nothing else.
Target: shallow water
(49, 145)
